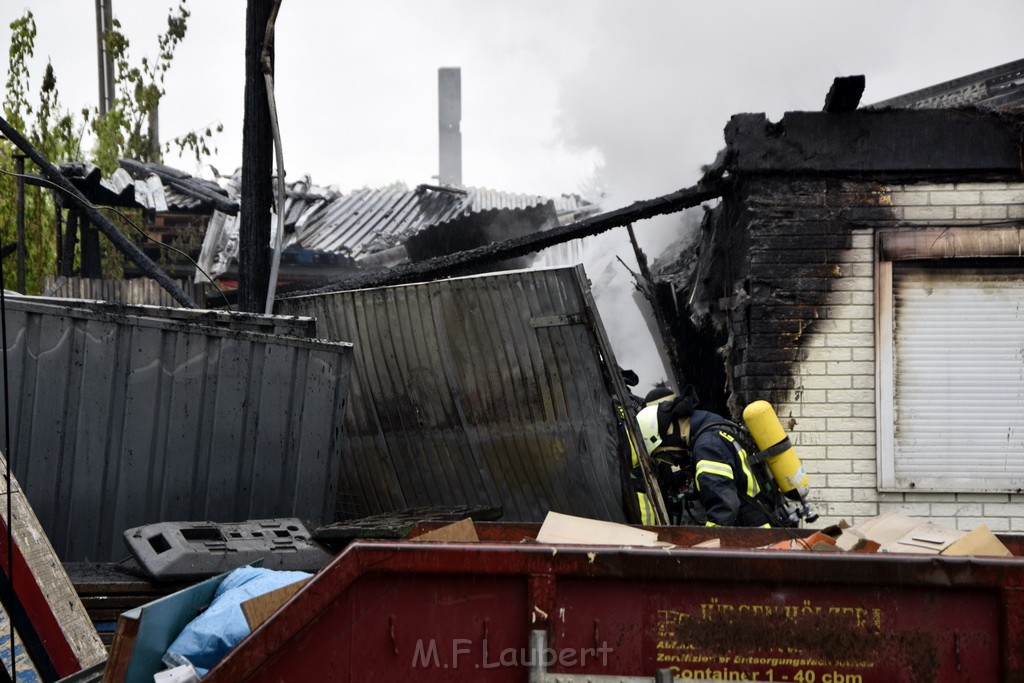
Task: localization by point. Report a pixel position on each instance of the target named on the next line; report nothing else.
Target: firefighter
(659, 393)
(701, 447)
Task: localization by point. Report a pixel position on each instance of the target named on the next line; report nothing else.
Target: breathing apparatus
(777, 452)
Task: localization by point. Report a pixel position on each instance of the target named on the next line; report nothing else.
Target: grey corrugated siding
(458, 398)
(123, 420)
(135, 291)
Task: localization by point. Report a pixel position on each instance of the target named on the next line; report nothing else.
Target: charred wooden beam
(877, 142)
(123, 244)
(458, 263)
(845, 94)
(257, 166)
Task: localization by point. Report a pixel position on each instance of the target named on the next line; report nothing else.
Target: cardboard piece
(887, 530)
(712, 543)
(851, 539)
(980, 542)
(558, 528)
(926, 537)
(258, 609)
(461, 531)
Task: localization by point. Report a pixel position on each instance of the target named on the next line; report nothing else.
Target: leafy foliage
(123, 131)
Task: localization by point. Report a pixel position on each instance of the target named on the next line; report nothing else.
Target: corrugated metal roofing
(995, 88)
(368, 221)
(486, 390)
(124, 416)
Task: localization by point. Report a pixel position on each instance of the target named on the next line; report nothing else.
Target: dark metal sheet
(458, 399)
(120, 419)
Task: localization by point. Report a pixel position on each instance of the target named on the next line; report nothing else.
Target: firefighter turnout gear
(725, 481)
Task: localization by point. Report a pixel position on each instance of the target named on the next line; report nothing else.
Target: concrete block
(957, 509)
(982, 213)
(997, 524)
(954, 198)
(866, 467)
(863, 381)
(1008, 196)
(851, 424)
(853, 481)
(928, 213)
(904, 198)
(864, 438)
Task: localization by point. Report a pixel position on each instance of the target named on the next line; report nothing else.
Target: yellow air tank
(786, 468)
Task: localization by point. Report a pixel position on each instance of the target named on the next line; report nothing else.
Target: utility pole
(257, 158)
(257, 167)
(104, 60)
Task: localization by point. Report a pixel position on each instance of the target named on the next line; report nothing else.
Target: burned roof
(371, 221)
(1000, 87)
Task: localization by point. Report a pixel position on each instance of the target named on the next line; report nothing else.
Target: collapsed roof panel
(996, 88)
(484, 390)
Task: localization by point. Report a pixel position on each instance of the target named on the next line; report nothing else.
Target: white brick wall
(833, 404)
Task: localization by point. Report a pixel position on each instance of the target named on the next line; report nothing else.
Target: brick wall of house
(804, 330)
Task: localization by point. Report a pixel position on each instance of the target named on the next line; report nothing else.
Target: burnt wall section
(877, 142)
(799, 231)
(765, 272)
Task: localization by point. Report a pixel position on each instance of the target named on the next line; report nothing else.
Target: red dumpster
(506, 610)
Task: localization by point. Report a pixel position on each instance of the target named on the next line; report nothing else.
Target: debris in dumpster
(398, 524)
(258, 609)
(143, 633)
(929, 538)
(559, 528)
(185, 673)
(819, 540)
(895, 532)
(979, 542)
(208, 637)
(712, 543)
(196, 550)
(461, 531)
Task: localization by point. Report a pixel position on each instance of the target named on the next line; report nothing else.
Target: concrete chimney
(449, 114)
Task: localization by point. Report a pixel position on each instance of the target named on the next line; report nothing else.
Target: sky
(618, 101)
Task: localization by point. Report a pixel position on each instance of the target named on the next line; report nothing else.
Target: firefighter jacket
(726, 485)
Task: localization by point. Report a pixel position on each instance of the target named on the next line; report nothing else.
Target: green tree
(52, 131)
(123, 131)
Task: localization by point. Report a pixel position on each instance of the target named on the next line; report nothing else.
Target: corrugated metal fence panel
(482, 390)
(134, 291)
(126, 420)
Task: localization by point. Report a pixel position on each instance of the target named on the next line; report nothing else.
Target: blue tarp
(211, 635)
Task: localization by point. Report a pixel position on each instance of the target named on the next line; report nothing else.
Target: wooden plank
(461, 531)
(121, 647)
(45, 592)
(258, 609)
(559, 528)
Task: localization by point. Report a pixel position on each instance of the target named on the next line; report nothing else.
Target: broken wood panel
(61, 637)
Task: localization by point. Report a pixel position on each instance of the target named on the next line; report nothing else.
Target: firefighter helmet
(647, 419)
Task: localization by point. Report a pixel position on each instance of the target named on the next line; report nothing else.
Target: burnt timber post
(257, 157)
(19, 168)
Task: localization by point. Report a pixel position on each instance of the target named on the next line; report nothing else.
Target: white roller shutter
(957, 378)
